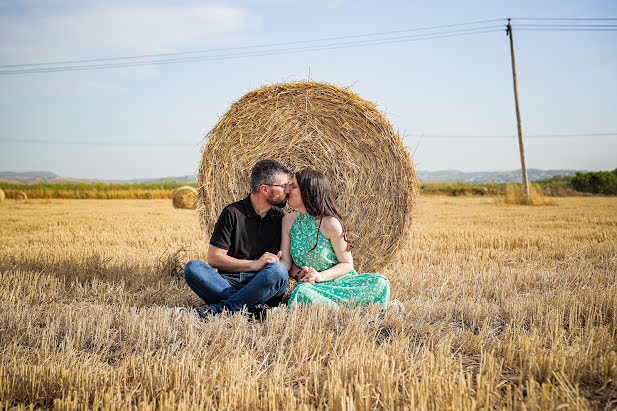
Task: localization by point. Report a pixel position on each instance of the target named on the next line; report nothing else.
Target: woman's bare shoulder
(331, 226)
(289, 218)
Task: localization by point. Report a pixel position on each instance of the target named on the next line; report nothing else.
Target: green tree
(600, 182)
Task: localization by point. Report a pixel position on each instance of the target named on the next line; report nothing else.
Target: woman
(316, 251)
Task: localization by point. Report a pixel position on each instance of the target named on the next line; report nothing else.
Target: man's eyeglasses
(283, 186)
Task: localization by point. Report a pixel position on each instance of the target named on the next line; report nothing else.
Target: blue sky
(149, 121)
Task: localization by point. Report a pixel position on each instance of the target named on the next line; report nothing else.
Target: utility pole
(518, 114)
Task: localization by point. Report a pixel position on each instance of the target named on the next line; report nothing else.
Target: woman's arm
(332, 229)
(286, 259)
(295, 272)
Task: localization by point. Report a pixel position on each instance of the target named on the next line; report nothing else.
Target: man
(244, 247)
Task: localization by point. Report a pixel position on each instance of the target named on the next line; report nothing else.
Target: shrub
(599, 182)
(515, 194)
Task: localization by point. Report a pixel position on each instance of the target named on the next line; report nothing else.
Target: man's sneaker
(205, 313)
(258, 312)
(181, 311)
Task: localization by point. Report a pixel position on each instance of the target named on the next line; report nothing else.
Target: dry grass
(320, 126)
(507, 307)
(185, 197)
(515, 194)
(94, 190)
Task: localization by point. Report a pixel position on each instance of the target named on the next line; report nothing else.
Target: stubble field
(505, 307)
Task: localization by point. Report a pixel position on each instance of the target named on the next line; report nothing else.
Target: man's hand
(308, 275)
(266, 259)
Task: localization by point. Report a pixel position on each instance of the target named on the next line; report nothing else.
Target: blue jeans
(231, 292)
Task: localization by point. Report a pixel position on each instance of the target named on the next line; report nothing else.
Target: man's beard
(281, 203)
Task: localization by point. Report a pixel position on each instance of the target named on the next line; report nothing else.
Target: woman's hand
(308, 275)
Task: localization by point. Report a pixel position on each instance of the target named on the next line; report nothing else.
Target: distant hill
(27, 177)
(512, 176)
(30, 177)
(182, 179)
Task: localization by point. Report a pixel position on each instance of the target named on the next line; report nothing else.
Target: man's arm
(218, 258)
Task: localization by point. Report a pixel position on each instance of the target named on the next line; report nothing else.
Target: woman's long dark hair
(317, 199)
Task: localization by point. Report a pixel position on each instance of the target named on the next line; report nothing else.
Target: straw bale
(185, 197)
(2, 195)
(20, 195)
(331, 129)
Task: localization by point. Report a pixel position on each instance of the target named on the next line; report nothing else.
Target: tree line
(597, 182)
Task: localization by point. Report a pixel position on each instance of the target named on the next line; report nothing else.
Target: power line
(512, 136)
(564, 25)
(269, 45)
(96, 143)
(421, 135)
(326, 43)
(560, 29)
(320, 47)
(335, 38)
(567, 18)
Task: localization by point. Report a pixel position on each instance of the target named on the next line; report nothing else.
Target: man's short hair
(266, 172)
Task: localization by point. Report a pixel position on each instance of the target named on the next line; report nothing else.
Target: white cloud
(84, 31)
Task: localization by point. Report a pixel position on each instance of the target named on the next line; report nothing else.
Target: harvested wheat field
(506, 307)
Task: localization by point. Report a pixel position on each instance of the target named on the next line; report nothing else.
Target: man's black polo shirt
(244, 234)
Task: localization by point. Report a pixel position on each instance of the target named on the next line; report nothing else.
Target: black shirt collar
(251, 213)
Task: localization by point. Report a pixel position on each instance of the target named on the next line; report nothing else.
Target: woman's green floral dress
(351, 288)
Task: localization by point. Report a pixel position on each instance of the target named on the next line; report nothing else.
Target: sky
(450, 98)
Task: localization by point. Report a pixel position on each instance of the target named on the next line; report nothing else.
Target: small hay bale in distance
(324, 127)
(20, 195)
(2, 195)
(185, 197)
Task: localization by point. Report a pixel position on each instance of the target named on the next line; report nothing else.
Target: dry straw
(185, 197)
(515, 194)
(320, 126)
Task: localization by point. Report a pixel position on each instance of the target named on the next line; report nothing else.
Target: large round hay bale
(185, 197)
(2, 195)
(320, 126)
(20, 195)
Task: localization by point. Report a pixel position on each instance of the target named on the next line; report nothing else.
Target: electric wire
(288, 43)
(335, 38)
(419, 135)
(565, 25)
(566, 18)
(96, 143)
(511, 136)
(559, 29)
(326, 43)
(320, 47)
(331, 43)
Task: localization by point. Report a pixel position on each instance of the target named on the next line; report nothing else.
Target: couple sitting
(255, 247)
